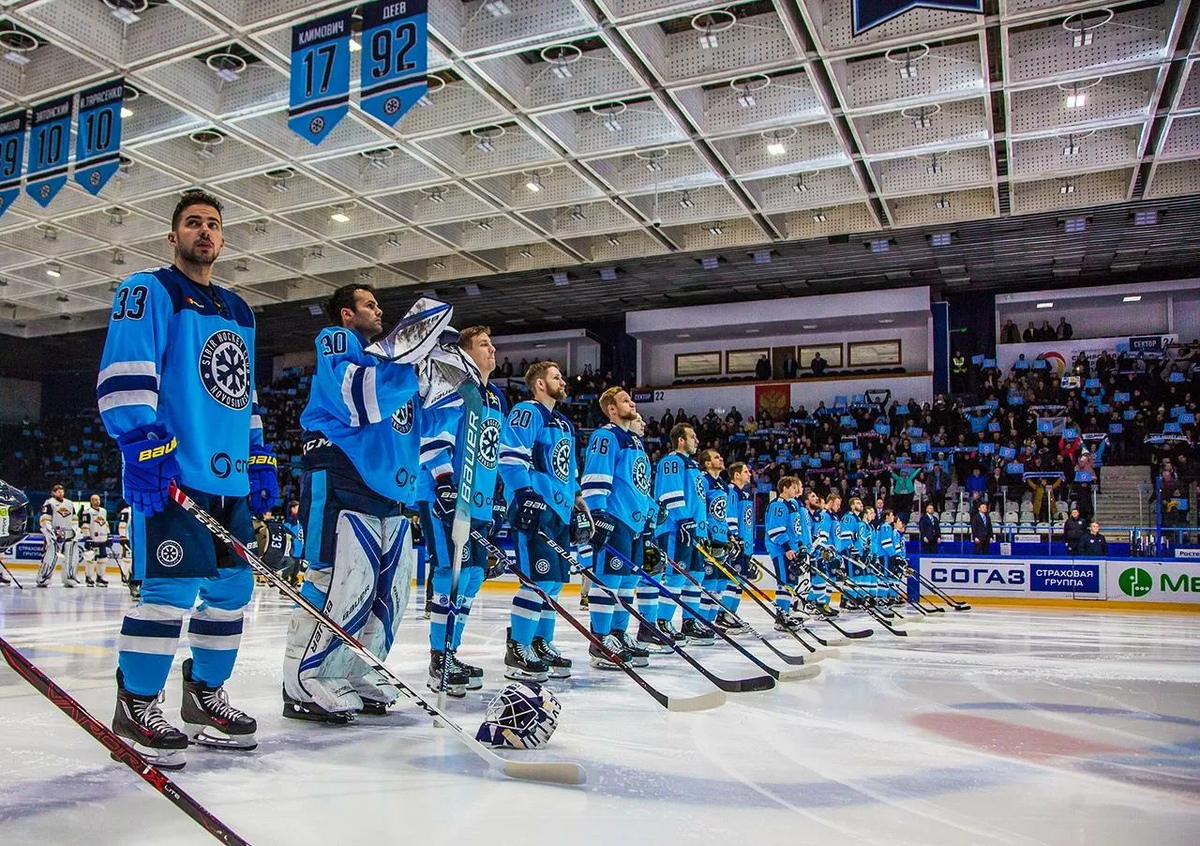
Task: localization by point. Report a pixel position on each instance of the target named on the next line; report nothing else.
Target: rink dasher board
(1127, 580)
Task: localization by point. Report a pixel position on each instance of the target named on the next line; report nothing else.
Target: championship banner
(773, 399)
(394, 58)
(12, 153)
(320, 85)
(868, 14)
(49, 143)
(98, 146)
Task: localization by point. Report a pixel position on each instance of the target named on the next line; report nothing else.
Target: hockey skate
(697, 635)
(598, 659)
(474, 674)
(139, 721)
(784, 623)
(560, 667)
(584, 603)
(729, 623)
(101, 581)
(651, 640)
(456, 679)
(521, 663)
(641, 657)
(294, 709)
(667, 628)
(210, 720)
(90, 582)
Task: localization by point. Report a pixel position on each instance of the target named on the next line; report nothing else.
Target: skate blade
(164, 759)
(563, 673)
(453, 691)
(601, 664)
(203, 735)
(517, 675)
(297, 712)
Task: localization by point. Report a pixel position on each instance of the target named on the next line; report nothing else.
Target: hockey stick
(10, 575)
(460, 531)
(894, 583)
(703, 702)
(118, 748)
(956, 604)
(561, 772)
(749, 685)
(772, 611)
(778, 675)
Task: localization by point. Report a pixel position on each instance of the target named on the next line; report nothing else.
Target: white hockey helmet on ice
(522, 716)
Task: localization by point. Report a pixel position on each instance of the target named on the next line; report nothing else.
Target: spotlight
(339, 215)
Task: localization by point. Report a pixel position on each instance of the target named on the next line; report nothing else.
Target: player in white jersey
(94, 528)
(59, 525)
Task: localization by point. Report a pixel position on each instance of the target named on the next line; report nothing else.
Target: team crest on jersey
(560, 459)
(402, 418)
(641, 475)
(700, 487)
(542, 566)
(718, 508)
(225, 369)
(748, 515)
(489, 443)
(169, 553)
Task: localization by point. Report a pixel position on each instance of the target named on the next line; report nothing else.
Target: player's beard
(194, 256)
(629, 416)
(559, 395)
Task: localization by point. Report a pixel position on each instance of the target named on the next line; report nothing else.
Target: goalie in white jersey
(97, 551)
(59, 525)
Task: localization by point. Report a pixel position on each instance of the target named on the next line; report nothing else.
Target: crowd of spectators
(1010, 333)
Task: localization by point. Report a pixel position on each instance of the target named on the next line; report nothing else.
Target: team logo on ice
(402, 419)
(560, 460)
(542, 566)
(641, 474)
(489, 443)
(225, 369)
(169, 553)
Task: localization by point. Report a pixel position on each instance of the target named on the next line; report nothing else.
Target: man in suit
(930, 529)
(981, 529)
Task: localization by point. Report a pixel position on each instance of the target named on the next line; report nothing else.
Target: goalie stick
(118, 748)
(779, 675)
(556, 772)
(749, 685)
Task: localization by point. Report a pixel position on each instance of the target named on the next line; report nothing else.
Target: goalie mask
(14, 514)
(522, 716)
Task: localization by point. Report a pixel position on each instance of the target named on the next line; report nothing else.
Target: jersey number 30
(133, 310)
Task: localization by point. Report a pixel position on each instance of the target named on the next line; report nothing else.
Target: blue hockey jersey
(369, 409)
(679, 489)
(616, 476)
(742, 516)
(537, 449)
(850, 534)
(181, 354)
(442, 432)
(716, 495)
(784, 527)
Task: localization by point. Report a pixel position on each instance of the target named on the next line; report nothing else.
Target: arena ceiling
(940, 148)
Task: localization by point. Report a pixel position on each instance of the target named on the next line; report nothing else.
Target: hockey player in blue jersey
(443, 435)
(866, 534)
(538, 468)
(741, 542)
(821, 522)
(785, 542)
(718, 509)
(616, 488)
(679, 491)
(883, 547)
(176, 390)
(898, 565)
(850, 544)
(360, 459)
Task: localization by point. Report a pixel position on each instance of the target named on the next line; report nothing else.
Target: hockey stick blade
(557, 773)
(731, 686)
(118, 748)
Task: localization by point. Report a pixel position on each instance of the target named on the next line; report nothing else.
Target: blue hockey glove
(150, 466)
(603, 526)
(264, 481)
(685, 533)
(529, 509)
(445, 497)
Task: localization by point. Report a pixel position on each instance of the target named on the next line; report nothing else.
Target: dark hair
(678, 431)
(466, 337)
(194, 198)
(342, 298)
(539, 370)
(735, 468)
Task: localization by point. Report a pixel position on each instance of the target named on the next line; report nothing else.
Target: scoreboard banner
(395, 58)
(12, 154)
(49, 144)
(320, 83)
(98, 144)
(868, 14)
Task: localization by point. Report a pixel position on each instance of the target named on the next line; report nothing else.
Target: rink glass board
(743, 361)
(832, 353)
(874, 353)
(697, 364)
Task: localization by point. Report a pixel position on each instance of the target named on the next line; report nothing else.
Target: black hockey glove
(528, 515)
(718, 550)
(603, 525)
(581, 527)
(652, 561)
(445, 497)
(736, 548)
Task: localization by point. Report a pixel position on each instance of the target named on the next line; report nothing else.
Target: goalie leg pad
(316, 665)
(49, 559)
(392, 590)
(71, 552)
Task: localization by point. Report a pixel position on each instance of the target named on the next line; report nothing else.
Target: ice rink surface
(986, 727)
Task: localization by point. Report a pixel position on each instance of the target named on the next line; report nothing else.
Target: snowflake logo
(489, 443)
(225, 369)
(402, 419)
(316, 125)
(641, 475)
(718, 508)
(391, 105)
(560, 459)
(169, 553)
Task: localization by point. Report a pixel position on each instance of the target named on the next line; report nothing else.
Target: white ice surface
(989, 727)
